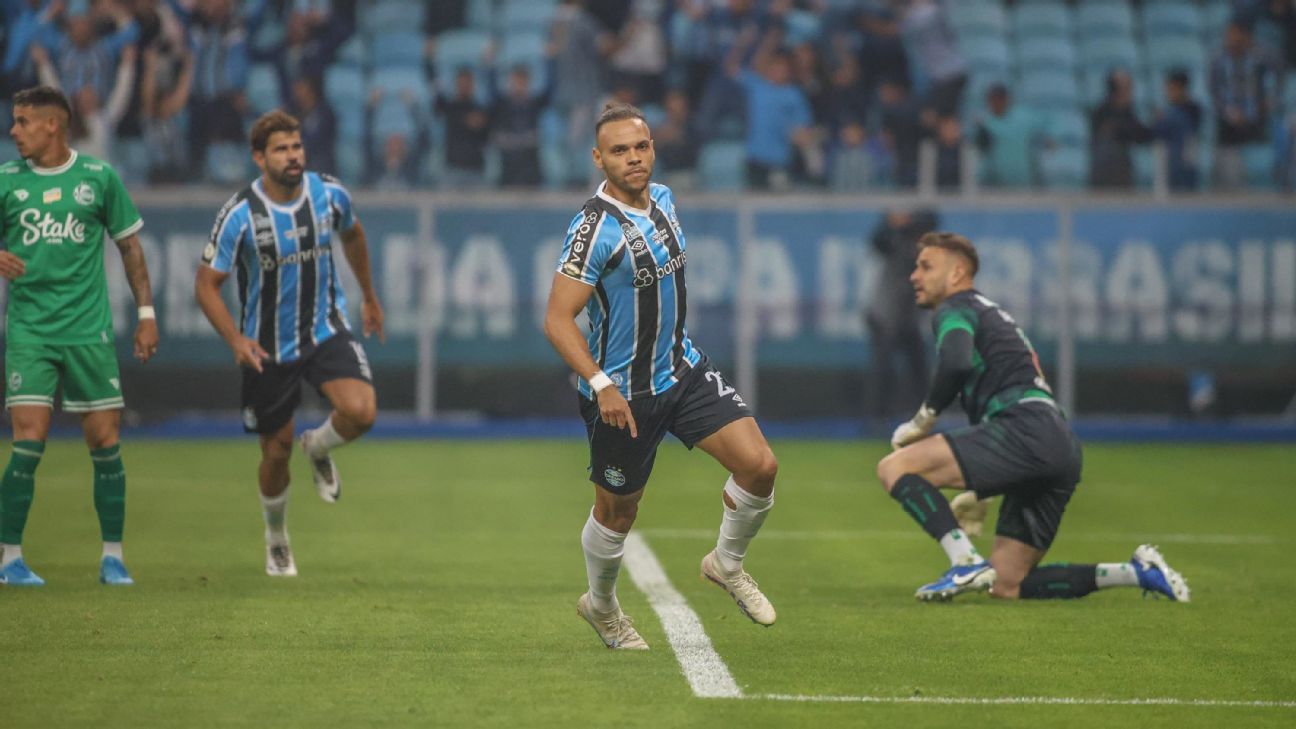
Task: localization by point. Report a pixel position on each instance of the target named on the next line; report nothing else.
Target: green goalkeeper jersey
(55, 220)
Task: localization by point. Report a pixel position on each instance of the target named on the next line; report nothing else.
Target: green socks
(17, 488)
(109, 491)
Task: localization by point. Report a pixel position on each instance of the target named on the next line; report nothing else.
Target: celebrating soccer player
(57, 205)
(641, 377)
(1018, 445)
(278, 234)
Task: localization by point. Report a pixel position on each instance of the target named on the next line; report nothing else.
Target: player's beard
(289, 179)
(634, 185)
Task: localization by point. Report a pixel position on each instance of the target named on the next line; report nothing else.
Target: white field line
(1021, 700)
(706, 672)
(917, 534)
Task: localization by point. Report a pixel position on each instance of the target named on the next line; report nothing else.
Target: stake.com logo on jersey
(52, 231)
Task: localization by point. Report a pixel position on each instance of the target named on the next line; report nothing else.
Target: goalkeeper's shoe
(279, 560)
(323, 470)
(112, 571)
(970, 512)
(613, 628)
(18, 573)
(1155, 576)
(961, 578)
(742, 588)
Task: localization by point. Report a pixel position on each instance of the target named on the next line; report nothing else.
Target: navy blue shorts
(696, 407)
(271, 395)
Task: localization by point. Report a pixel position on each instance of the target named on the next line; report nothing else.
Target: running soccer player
(1018, 445)
(278, 234)
(641, 377)
(55, 208)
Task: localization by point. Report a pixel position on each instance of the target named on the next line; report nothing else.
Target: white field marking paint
(1022, 700)
(705, 670)
(915, 534)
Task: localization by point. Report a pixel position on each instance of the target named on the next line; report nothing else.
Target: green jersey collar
(54, 170)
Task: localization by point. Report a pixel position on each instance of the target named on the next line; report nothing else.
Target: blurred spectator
(467, 130)
(640, 56)
(217, 102)
(397, 163)
(895, 324)
(161, 31)
(165, 85)
(318, 124)
(515, 127)
(778, 115)
(675, 140)
(94, 118)
(882, 52)
(949, 153)
(578, 47)
(83, 59)
(1113, 130)
(1275, 31)
(901, 131)
(844, 104)
(442, 15)
(1007, 139)
(1242, 87)
(1177, 126)
(935, 48)
(721, 29)
(311, 40)
(26, 22)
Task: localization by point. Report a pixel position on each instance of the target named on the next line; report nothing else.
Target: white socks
(274, 509)
(739, 525)
(959, 548)
(1116, 574)
(11, 552)
(325, 438)
(603, 549)
(112, 549)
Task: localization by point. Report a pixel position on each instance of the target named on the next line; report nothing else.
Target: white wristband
(599, 380)
(146, 312)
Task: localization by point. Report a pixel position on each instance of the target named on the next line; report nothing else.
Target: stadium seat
(1215, 14)
(1064, 168)
(1099, 19)
(344, 86)
(227, 163)
(523, 48)
(393, 117)
(480, 14)
(1048, 89)
(1068, 128)
(396, 81)
(1041, 20)
(527, 15)
(456, 49)
(398, 49)
(1144, 163)
(350, 163)
(723, 166)
(987, 55)
(352, 53)
(977, 19)
(385, 16)
(1259, 162)
(1046, 53)
(1167, 52)
(1166, 17)
(1106, 53)
(263, 91)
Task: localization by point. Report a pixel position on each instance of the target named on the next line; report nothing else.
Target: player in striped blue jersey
(641, 377)
(277, 236)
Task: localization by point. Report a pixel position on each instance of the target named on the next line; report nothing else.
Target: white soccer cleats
(742, 588)
(613, 628)
(279, 561)
(323, 470)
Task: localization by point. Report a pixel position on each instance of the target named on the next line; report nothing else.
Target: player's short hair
(43, 96)
(269, 123)
(615, 112)
(954, 243)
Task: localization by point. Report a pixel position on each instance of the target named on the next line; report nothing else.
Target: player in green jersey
(55, 207)
(1018, 445)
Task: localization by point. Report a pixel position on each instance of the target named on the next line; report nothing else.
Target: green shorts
(91, 380)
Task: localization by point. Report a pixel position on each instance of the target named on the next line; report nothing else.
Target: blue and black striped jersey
(634, 259)
(289, 293)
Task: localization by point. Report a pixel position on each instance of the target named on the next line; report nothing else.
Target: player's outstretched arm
(247, 351)
(146, 331)
(566, 299)
(356, 248)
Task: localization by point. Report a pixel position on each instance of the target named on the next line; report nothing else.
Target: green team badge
(22, 195)
(15, 381)
(84, 194)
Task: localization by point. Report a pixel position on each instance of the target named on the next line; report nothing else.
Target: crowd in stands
(848, 95)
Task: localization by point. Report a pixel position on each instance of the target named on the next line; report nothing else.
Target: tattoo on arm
(136, 269)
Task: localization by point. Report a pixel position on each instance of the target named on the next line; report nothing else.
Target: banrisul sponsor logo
(39, 225)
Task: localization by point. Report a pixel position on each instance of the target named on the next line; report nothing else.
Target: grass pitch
(440, 592)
